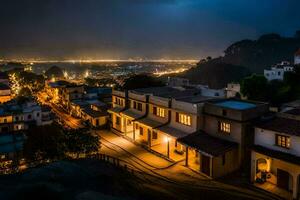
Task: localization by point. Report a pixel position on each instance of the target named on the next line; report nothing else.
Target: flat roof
(155, 90)
(281, 125)
(235, 104)
(207, 143)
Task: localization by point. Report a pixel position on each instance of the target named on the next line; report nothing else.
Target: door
(205, 164)
(283, 179)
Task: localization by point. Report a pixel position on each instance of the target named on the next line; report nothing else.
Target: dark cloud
(137, 28)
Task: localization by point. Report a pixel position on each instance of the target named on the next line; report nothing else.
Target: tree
(44, 142)
(80, 141)
(141, 81)
(254, 87)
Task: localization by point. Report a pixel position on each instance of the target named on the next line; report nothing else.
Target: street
(161, 171)
(64, 117)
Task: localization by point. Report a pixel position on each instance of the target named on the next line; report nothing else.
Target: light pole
(168, 146)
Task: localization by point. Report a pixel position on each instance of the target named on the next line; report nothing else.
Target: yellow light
(167, 139)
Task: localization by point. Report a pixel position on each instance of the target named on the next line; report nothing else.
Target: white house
(277, 72)
(297, 57)
(275, 157)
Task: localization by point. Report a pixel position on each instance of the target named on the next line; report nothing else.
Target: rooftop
(277, 154)
(281, 125)
(207, 143)
(236, 105)
(155, 90)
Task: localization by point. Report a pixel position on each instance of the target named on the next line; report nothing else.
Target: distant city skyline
(137, 29)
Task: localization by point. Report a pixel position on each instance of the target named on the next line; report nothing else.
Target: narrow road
(60, 113)
(160, 171)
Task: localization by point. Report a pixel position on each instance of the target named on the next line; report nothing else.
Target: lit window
(160, 112)
(283, 141)
(183, 119)
(224, 127)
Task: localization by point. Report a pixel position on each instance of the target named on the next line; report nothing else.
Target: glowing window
(183, 119)
(160, 112)
(283, 141)
(224, 127)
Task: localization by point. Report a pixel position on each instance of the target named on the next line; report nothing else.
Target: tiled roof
(281, 125)
(208, 144)
(277, 154)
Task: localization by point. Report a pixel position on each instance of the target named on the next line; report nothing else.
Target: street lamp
(167, 140)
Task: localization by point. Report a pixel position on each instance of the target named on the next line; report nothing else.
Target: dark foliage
(216, 74)
(55, 72)
(141, 81)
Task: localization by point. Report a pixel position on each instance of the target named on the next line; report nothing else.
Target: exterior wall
(5, 92)
(144, 107)
(114, 100)
(157, 118)
(297, 60)
(101, 120)
(274, 74)
(4, 99)
(273, 165)
(236, 132)
(230, 164)
(6, 119)
(267, 139)
(119, 127)
(185, 128)
(239, 115)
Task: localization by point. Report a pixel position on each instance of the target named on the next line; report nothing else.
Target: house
(275, 157)
(5, 93)
(11, 146)
(71, 92)
(221, 145)
(47, 115)
(297, 57)
(232, 90)
(4, 78)
(157, 117)
(277, 72)
(119, 103)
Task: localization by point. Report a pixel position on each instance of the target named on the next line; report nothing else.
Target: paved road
(61, 114)
(160, 171)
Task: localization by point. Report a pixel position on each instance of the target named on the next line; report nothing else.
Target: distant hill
(54, 71)
(216, 74)
(258, 54)
(244, 57)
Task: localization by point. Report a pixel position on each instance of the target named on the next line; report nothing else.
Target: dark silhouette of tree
(81, 141)
(44, 142)
(141, 81)
(254, 87)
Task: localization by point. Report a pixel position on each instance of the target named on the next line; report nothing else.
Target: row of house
(5, 90)
(81, 101)
(17, 116)
(214, 136)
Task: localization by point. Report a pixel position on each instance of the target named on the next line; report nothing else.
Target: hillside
(258, 54)
(243, 58)
(216, 74)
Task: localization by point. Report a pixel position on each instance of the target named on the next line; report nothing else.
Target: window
(224, 127)
(160, 112)
(154, 135)
(38, 114)
(224, 112)
(29, 117)
(141, 131)
(118, 120)
(183, 119)
(5, 120)
(137, 106)
(283, 141)
(119, 101)
(140, 107)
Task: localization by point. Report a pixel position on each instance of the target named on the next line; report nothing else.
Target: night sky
(122, 29)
